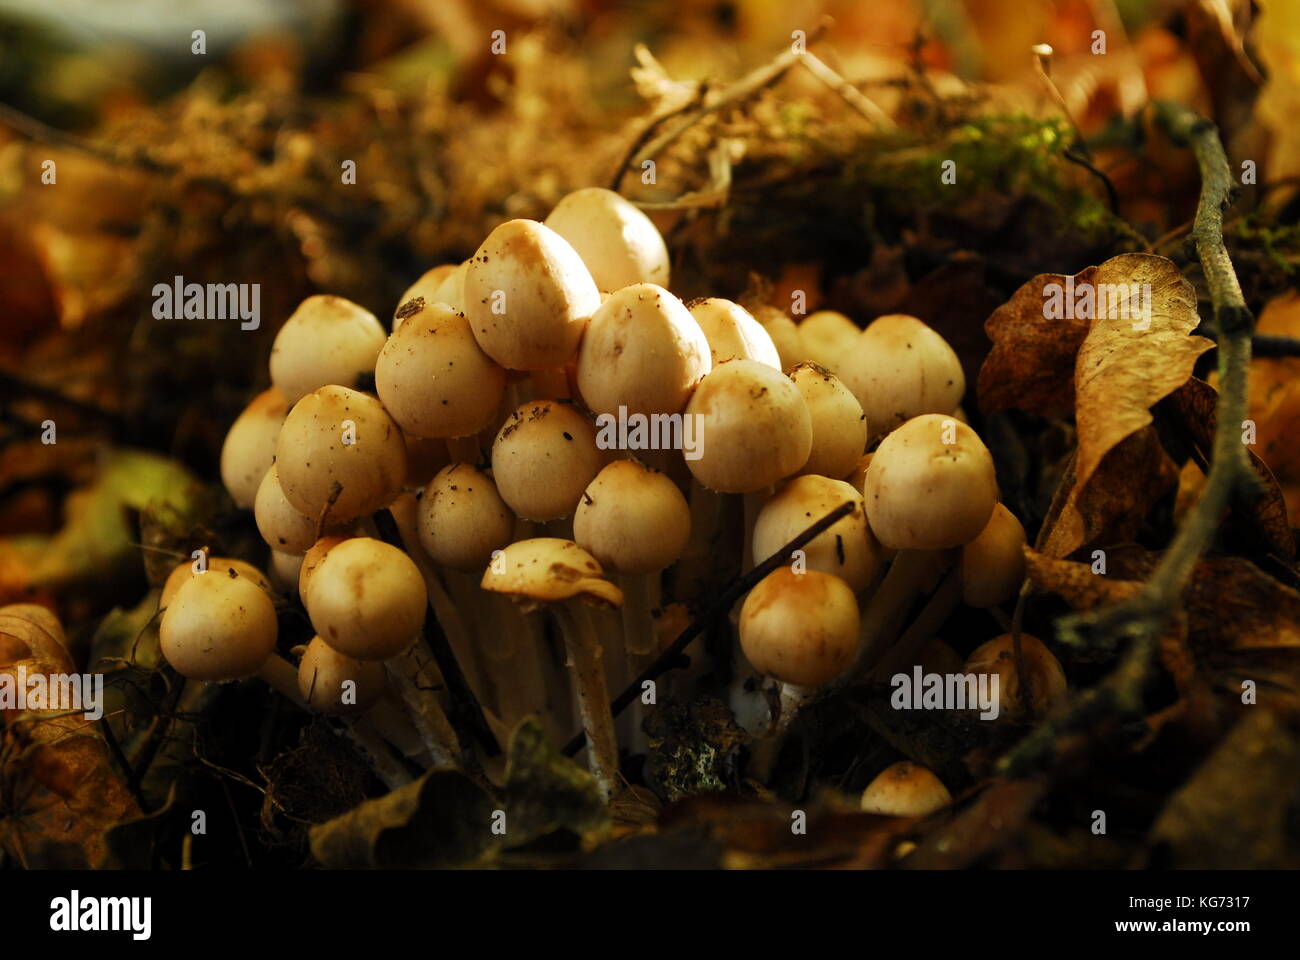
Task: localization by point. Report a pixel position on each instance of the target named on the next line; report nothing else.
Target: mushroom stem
(593, 697)
(912, 573)
(933, 615)
(791, 698)
(281, 676)
(753, 505)
(375, 750)
(435, 730)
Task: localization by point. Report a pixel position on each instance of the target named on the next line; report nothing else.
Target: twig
(34, 129)
(1141, 619)
(854, 97)
(719, 608)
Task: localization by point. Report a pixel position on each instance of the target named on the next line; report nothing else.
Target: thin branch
(1137, 624)
(851, 95)
(42, 132)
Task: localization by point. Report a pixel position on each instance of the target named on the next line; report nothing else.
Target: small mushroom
(543, 458)
(433, 378)
(732, 333)
(618, 243)
(839, 427)
(993, 564)
(562, 577)
(899, 368)
(334, 683)
(226, 566)
(428, 288)
(642, 350)
(827, 338)
(218, 628)
(528, 296)
(905, 789)
(1045, 688)
(281, 524)
(784, 333)
(340, 455)
(249, 447)
(327, 340)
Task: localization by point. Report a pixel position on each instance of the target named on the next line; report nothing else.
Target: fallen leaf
(546, 791)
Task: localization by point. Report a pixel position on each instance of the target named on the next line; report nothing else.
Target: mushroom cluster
(550, 451)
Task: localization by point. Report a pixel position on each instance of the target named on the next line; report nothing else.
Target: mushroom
(732, 333)
(618, 243)
(827, 338)
(227, 565)
(528, 296)
(784, 333)
(340, 455)
(839, 427)
(283, 526)
(543, 458)
(334, 683)
(642, 351)
(802, 630)
(561, 576)
(905, 789)
(249, 447)
(432, 376)
(634, 521)
(427, 288)
(327, 340)
(993, 564)
(1045, 687)
(899, 368)
(846, 549)
(930, 488)
(220, 627)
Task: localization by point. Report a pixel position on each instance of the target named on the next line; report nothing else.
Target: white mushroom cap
(1047, 685)
(462, 518)
(282, 525)
(632, 519)
(993, 564)
(543, 458)
(323, 673)
(899, 368)
(827, 338)
(327, 340)
(315, 464)
(905, 789)
(755, 427)
(249, 447)
(732, 333)
(846, 549)
(642, 350)
(426, 288)
(221, 566)
(528, 296)
(784, 333)
(839, 427)
(923, 493)
(618, 243)
(366, 599)
(432, 376)
(800, 628)
(548, 570)
(218, 627)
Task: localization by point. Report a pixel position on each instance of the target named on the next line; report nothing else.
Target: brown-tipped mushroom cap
(800, 628)
(754, 430)
(905, 789)
(327, 340)
(432, 376)
(528, 296)
(618, 243)
(632, 519)
(827, 338)
(426, 288)
(218, 628)
(462, 518)
(547, 570)
(993, 564)
(784, 333)
(899, 368)
(925, 493)
(366, 599)
(312, 558)
(249, 448)
(642, 350)
(847, 549)
(543, 458)
(319, 469)
(282, 525)
(839, 427)
(1047, 686)
(219, 566)
(732, 333)
(323, 673)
